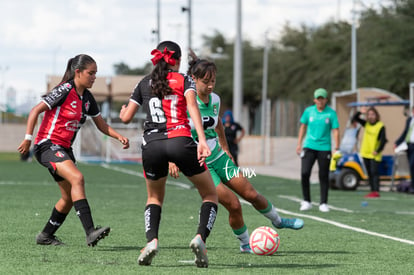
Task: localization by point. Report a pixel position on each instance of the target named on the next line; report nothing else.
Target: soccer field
(353, 238)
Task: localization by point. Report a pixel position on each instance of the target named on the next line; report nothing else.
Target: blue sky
(38, 37)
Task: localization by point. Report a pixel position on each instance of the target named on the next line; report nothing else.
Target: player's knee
(78, 180)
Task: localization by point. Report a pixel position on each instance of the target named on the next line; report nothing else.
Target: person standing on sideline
(226, 176)
(231, 129)
(66, 108)
(166, 95)
(317, 123)
(373, 142)
(407, 136)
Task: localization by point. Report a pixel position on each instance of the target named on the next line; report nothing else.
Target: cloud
(38, 37)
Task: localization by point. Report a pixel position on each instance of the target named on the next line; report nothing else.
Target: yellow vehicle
(347, 168)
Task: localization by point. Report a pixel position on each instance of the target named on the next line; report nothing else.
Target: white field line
(337, 224)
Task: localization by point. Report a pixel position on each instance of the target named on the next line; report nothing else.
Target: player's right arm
(302, 131)
(128, 111)
(31, 123)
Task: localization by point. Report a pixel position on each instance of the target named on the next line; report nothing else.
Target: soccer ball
(264, 241)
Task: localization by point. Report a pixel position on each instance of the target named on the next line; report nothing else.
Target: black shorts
(48, 154)
(180, 150)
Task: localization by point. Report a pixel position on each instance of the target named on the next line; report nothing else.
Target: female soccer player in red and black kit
(66, 108)
(165, 96)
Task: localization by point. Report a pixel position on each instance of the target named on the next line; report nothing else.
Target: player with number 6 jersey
(166, 95)
(167, 117)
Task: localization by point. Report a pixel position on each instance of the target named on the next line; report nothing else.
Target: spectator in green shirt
(314, 143)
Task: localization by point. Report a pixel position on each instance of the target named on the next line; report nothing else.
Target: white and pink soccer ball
(264, 240)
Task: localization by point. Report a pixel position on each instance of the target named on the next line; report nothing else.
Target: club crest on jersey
(215, 109)
(59, 154)
(87, 105)
(327, 120)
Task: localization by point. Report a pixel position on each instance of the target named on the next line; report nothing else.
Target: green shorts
(222, 169)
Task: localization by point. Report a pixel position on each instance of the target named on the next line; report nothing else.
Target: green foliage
(304, 58)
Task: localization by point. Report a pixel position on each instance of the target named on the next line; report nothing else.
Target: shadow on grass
(120, 248)
(288, 253)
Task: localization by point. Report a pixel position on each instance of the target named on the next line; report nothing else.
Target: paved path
(285, 162)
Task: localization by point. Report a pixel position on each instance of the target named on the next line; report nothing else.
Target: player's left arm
(109, 131)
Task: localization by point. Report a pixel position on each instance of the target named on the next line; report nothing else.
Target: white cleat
(200, 251)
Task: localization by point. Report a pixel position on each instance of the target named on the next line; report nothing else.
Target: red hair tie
(166, 54)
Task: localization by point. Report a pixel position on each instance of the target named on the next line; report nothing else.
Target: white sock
(273, 216)
(243, 237)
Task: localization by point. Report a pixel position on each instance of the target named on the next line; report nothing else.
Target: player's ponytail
(200, 68)
(166, 54)
(81, 61)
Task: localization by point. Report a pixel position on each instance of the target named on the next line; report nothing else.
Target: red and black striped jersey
(67, 113)
(166, 118)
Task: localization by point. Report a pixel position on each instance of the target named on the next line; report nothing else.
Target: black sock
(55, 221)
(152, 217)
(208, 213)
(83, 211)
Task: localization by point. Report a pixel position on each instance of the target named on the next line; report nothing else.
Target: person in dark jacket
(408, 136)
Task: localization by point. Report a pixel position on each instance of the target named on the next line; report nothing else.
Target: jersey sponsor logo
(57, 92)
(72, 125)
(59, 154)
(208, 122)
(172, 81)
(73, 104)
(178, 127)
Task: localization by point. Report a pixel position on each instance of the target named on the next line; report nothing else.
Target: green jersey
(319, 126)
(209, 116)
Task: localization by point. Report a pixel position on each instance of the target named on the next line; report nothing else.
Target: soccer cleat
(148, 253)
(200, 251)
(97, 234)
(290, 223)
(373, 194)
(45, 239)
(323, 207)
(245, 248)
(305, 205)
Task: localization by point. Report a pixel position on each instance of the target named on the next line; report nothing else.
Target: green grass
(117, 199)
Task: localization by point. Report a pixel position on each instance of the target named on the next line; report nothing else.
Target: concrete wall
(11, 135)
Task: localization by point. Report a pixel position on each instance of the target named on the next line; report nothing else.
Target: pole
(264, 96)
(353, 51)
(189, 25)
(158, 21)
(238, 63)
